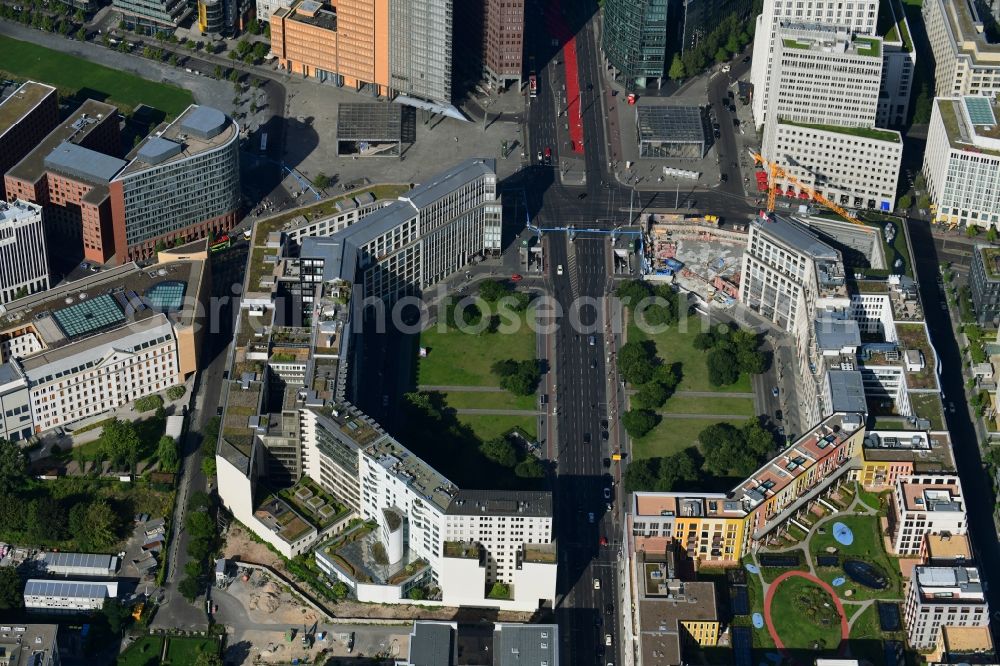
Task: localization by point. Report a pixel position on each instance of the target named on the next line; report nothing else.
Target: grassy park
(804, 616)
(456, 358)
(489, 400)
(185, 650)
(144, 652)
(490, 426)
(683, 404)
(868, 547)
(672, 435)
(677, 346)
(77, 77)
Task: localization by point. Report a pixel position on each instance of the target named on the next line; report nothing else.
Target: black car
(778, 415)
(593, 364)
(586, 438)
(715, 126)
(607, 463)
(609, 608)
(725, 177)
(582, 195)
(746, 59)
(736, 122)
(604, 423)
(604, 435)
(717, 134)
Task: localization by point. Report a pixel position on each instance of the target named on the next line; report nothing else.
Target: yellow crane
(775, 172)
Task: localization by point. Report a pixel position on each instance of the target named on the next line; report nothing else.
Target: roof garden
(544, 553)
(991, 261)
(795, 44)
(282, 519)
(467, 550)
(864, 132)
(868, 46)
(360, 555)
(313, 503)
(914, 336)
(892, 24)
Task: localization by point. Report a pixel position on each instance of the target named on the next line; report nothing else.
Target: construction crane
(776, 172)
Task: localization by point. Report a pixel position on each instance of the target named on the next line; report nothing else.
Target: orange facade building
(26, 116)
(345, 43)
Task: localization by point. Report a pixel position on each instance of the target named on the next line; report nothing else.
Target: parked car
(774, 392)
(597, 583)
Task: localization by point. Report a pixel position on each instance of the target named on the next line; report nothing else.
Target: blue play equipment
(843, 534)
(752, 568)
(837, 582)
(758, 621)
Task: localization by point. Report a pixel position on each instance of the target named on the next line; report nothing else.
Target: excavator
(775, 172)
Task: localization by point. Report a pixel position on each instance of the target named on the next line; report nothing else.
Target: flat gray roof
(89, 560)
(501, 503)
(797, 236)
(455, 178)
(76, 589)
(670, 124)
(83, 163)
(834, 334)
(203, 121)
(525, 644)
(847, 391)
(432, 644)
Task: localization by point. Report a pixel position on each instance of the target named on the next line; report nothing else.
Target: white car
(726, 68)
(559, 269)
(597, 583)
(607, 639)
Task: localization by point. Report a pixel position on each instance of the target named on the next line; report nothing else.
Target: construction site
(697, 253)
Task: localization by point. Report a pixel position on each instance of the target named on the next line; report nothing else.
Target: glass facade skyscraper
(635, 40)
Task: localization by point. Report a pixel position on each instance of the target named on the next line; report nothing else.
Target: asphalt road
(976, 485)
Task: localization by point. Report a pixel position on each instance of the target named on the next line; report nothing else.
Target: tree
(116, 614)
(636, 362)
(704, 341)
(217, 72)
(971, 230)
(500, 451)
(676, 68)
(721, 55)
(234, 75)
(208, 466)
(991, 234)
(529, 468)
(120, 442)
(722, 367)
(924, 202)
(758, 440)
(176, 392)
(102, 524)
(630, 292)
(922, 107)
(13, 465)
(492, 291)
(189, 588)
(651, 395)
(682, 467)
(734, 44)
(173, 60)
(166, 453)
(417, 593)
(208, 657)
(11, 597)
(919, 182)
(642, 474)
(905, 202)
(260, 51)
(81, 34)
(321, 181)
(253, 27)
(518, 377)
(638, 422)
(47, 519)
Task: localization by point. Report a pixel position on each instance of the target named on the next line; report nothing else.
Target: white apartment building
(67, 596)
(965, 62)
(922, 505)
(89, 346)
(943, 596)
(823, 109)
(962, 161)
(23, 268)
(791, 278)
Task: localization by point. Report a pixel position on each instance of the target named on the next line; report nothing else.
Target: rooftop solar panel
(88, 316)
(980, 111)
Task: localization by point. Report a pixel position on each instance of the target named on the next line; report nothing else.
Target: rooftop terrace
(413, 471)
(863, 132)
(23, 100)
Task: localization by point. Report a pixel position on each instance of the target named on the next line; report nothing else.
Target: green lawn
(868, 547)
(464, 359)
(761, 637)
(490, 400)
(672, 435)
(928, 406)
(144, 652)
(804, 616)
(680, 404)
(675, 346)
(490, 426)
(24, 60)
(185, 650)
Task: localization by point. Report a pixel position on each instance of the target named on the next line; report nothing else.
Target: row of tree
(729, 38)
(731, 352)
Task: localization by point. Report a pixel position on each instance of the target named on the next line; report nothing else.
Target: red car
(604, 541)
(516, 277)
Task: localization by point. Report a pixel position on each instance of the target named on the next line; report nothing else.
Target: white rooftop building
(67, 596)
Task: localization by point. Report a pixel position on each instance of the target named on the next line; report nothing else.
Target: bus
(532, 85)
(223, 243)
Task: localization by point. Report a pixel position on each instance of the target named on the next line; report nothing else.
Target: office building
(68, 174)
(856, 18)
(432, 644)
(538, 643)
(223, 17)
(634, 41)
(23, 266)
(67, 596)
(966, 60)
(942, 596)
(792, 278)
(962, 162)
(823, 105)
(899, 62)
(29, 645)
(26, 116)
(984, 284)
(890, 455)
(81, 349)
(503, 42)
(925, 504)
(77, 564)
(380, 47)
(674, 617)
(181, 184)
(151, 16)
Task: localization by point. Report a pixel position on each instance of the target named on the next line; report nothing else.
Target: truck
(532, 85)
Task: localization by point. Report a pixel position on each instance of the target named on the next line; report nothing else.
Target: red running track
(845, 630)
